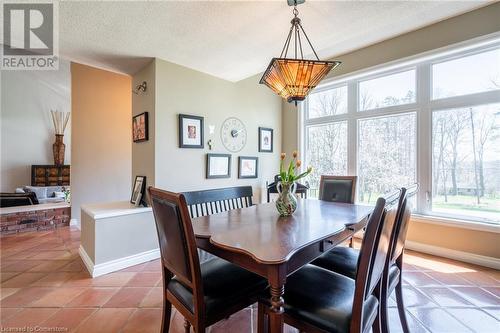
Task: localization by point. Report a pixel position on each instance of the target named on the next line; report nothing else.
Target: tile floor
(44, 284)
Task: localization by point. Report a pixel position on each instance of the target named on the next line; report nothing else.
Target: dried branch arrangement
(60, 120)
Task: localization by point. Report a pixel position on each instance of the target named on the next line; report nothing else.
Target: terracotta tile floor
(45, 284)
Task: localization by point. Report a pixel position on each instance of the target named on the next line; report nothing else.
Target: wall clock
(233, 134)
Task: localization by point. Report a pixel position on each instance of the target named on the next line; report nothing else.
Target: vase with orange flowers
(287, 201)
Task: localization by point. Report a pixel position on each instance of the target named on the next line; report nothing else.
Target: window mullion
(424, 139)
(352, 128)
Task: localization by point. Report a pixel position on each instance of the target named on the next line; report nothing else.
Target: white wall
(101, 128)
(27, 133)
(143, 162)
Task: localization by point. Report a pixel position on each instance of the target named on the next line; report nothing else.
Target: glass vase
(286, 203)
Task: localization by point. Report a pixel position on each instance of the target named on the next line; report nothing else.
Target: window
(466, 161)
(395, 89)
(386, 155)
(327, 103)
(443, 133)
(326, 151)
(466, 75)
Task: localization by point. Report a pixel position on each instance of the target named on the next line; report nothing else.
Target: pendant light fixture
(294, 78)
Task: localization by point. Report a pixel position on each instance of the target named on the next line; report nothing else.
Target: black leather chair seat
(224, 285)
(324, 299)
(343, 260)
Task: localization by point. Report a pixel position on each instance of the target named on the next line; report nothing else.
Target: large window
(328, 103)
(466, 75)
(466, 161)
(386, 154)
(326, 150)
(390, 90)
(434, 120)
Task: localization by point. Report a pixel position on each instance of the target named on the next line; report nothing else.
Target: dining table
(258, 239)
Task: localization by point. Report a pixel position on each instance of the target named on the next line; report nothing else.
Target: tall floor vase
(58, 149)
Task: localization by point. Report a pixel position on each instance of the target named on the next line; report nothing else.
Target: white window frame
(424, 106)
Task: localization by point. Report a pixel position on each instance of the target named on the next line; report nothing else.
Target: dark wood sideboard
(50, 175)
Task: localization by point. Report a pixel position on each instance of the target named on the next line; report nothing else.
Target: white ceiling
(231, 39)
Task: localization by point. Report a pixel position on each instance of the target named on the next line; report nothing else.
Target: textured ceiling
(231, 39)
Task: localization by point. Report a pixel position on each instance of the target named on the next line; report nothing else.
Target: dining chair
(338, 189)
(203, 293)
(394, 277)
(214, 201)
(319, 300)
(344, 260)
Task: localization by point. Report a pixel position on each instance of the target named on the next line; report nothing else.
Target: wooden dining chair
(344, 260)
(319, 300)
(337, 188)
(204, 294)
(394, 277)
(214, 201)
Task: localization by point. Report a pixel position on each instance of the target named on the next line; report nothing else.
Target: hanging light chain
(296, 28)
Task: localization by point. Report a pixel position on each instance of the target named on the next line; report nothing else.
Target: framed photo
(140, 127)
(190, 131)
(248, 167)
(265, 140)
(138, 190)
(218, 165)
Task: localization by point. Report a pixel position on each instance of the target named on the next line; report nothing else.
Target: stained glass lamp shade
(294, 78)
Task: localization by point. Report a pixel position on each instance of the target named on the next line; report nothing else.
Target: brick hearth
(40, 219)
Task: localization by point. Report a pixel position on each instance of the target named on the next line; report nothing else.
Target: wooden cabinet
(50, 175)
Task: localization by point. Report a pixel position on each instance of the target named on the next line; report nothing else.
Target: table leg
(276, 320)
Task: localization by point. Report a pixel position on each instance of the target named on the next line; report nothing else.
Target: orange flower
(294, 154)
(283, 155)
(299, 163)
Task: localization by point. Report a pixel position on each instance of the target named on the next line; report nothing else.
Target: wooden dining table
(259, 240)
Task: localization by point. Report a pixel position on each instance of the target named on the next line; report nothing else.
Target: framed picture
(139, 190)
(190, 131)
(248, 167)
(265, 140)
(140, 127)
(218, 165)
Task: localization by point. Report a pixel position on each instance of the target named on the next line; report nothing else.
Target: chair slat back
(374, 252)
(398, 238)
(381, 250)
(337, 188)
(208, 202)
(176, 236)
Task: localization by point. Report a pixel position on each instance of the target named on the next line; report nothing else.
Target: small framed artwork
(218, 165)
(190, 131)
(138, 190)
(265, 140)
(140, 127)
(248, 167)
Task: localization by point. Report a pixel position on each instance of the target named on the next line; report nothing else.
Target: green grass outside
(464, 202)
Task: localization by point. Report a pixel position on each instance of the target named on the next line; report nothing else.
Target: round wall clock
(233, 134)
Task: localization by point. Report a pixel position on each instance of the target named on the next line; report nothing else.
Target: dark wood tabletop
(261, 233)
(258, 239)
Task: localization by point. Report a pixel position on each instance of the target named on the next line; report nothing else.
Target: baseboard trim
(74, 222)
(468, 257)
(117, 264)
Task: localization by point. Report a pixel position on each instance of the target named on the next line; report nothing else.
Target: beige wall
(186, 91)
(27, 132)
(460, 28)
(143, 163)
(101, 136)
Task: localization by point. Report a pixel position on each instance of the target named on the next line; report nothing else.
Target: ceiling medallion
(294, 78)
